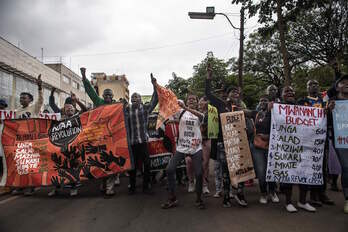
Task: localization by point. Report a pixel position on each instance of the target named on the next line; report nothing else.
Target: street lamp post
(210, 14)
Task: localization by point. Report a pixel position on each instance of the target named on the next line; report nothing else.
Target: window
(6, 86)
(66, 79)
(75, 84)
(82, 88)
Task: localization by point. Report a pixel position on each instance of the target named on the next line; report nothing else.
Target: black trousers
(141, 155)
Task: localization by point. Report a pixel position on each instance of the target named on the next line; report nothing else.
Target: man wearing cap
(341, 94)
(109, 182)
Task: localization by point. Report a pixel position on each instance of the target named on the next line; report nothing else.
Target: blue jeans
(342, 154)
(260, 165)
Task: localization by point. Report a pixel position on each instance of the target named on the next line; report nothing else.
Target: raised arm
(194, 112)
(97, 101)
(215, 101)
(81, 105)
(154, 99)
(38, 104)
(52, 103)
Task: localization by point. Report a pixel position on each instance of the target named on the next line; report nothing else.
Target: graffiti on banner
(41, 152)
(340, 121)
(296, 147)
(52, 116)
(238, 155)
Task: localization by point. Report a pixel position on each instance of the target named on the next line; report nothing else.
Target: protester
(272, 93)
(137, 114)
(189, 144)
(206, 143)
(3, 106)
(28, 109)
(341, 87)
(288, 97)
(259, 151)
(232, 103)
(318, 194)
(71, 100)
(108, 183)
(69, 111)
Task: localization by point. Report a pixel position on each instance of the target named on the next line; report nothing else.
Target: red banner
(42, 152)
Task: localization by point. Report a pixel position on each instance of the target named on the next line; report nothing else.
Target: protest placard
(296, 147)
(240, 164)
(340, 123)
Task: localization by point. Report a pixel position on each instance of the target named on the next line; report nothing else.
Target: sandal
(170, 204)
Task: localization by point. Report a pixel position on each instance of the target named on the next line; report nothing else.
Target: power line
(150, 48)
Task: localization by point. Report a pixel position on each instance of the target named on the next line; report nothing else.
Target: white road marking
(9, 199)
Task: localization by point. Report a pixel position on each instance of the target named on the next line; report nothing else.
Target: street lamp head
(201, 15)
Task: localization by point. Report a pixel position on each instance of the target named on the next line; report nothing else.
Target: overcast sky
(129, 37)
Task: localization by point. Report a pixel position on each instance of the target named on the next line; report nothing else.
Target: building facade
(117, 83)
(19, 71)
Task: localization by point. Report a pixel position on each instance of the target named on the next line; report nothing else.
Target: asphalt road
(91, 212)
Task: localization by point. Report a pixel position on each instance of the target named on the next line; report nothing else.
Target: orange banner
(42, 152)
(168, 104)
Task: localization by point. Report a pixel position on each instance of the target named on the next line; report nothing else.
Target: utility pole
(241, 50)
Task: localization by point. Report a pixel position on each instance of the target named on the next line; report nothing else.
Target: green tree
(178, 85)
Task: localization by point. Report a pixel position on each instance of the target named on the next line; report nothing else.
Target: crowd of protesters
(197, 149)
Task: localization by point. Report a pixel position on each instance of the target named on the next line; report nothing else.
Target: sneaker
(206, 190)
(218, 194)
(191, 187)
(73, 192)
(306, 207)
(200, 204)
(326, 200)
(52, 193)
(226, 203)
(102, 187)
(110, 192)
(117, 180)
(263, 200)
(291, 208)
(28, 192)
(274, 198)
(231, 194)
(16, 191)
(345, 209)
(239, 197)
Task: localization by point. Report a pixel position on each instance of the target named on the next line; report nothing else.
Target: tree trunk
(284, 51)
(241, 50)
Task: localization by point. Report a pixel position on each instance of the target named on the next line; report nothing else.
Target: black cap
(344, 77)
(68, 100)
(3, 102)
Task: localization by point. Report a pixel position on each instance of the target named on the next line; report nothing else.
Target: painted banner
(168, 104)
(340, 121)
(41, 152)
(213, 122)
(238, 155)
(296, 146)
(10, 114)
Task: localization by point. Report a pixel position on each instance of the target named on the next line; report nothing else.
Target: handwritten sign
(240, 164)
(10, 114)
(52, 116)
(297, 140)
(340, 121)
(7, 114)
(213, 122)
